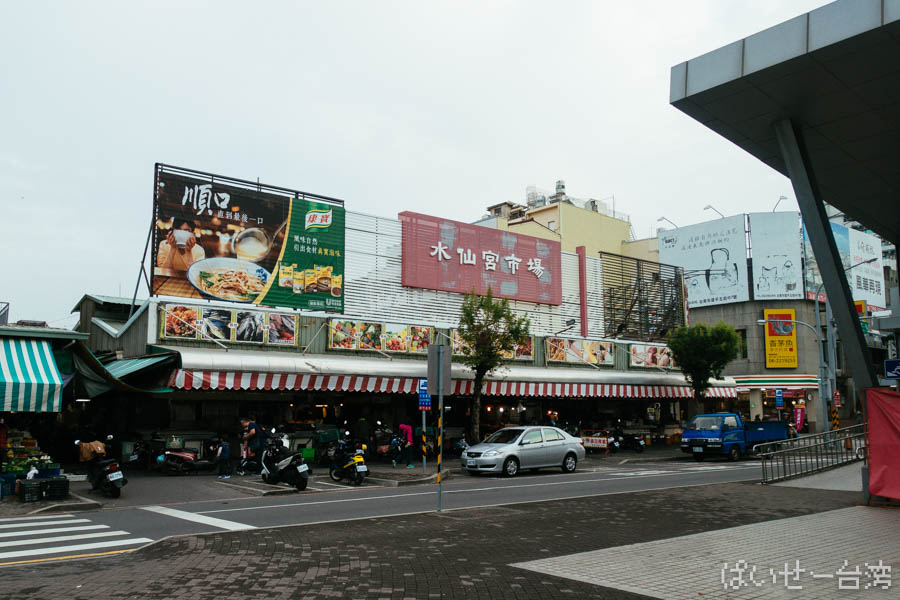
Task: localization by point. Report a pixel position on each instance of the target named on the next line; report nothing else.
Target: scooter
(633, 441)
(279, 464)
(183, 462)
(347, 462)
(103, 473)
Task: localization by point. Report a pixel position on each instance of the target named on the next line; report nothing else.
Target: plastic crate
(45, 473)
(56, 488)
(30, 490)
(7, 485)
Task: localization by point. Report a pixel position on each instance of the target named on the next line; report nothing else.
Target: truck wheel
(734, 454)
(698, 456)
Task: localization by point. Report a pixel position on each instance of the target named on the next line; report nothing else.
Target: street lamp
(569, 324)
(780, 198)
(667, 220)
(711, 207)
(815, 330)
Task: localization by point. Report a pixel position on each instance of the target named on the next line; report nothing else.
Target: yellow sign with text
(781, 338)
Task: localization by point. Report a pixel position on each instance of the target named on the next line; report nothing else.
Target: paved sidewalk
(458, 554)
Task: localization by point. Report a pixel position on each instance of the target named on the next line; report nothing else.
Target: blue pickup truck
(726, 434)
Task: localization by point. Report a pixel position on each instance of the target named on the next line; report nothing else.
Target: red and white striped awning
(185, 379)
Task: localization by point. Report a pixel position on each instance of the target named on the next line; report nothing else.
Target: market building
(346, 305)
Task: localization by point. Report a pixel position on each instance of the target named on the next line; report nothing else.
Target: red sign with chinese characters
(440, 254)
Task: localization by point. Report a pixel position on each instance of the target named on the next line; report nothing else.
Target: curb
(445, 475)
(85, 504)
(275, 491)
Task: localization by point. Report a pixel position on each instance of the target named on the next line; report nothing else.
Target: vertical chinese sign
(226, 239)
(440, 254)
(780, 338)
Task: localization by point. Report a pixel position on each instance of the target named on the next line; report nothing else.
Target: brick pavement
(459, 554)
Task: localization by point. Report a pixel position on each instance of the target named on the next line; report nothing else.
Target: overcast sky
(442, 107)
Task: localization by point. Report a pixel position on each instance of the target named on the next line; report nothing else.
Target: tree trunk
(476, 409)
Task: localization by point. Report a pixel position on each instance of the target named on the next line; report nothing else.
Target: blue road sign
(424, 396)
(892, 368)
(779, 398)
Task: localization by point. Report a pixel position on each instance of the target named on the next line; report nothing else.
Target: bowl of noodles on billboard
(229, 279)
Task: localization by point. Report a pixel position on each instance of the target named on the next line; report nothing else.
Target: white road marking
(462, 491)
(40, 518)
(51, 530)
(198, 518)
(74, 548)
(41, 523)
(61, 538)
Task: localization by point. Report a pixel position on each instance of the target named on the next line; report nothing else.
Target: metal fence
(810, 454)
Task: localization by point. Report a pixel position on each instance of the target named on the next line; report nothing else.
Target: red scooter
(183, 462)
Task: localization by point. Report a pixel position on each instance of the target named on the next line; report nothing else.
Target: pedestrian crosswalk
(25, 540)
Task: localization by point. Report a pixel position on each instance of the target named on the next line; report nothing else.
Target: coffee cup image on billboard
(721, 274)
(179, 250)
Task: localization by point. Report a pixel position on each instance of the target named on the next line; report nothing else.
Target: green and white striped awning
(29, 379)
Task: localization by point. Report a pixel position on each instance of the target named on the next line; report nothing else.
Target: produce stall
(21, 453)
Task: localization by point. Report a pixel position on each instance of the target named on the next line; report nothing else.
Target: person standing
(223, 456)
(406, 433)
(253, 438)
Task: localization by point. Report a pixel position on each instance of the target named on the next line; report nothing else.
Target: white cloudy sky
(444, 107)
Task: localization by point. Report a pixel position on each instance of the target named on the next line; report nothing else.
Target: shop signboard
(779, 399)
(777, 256)
(648, 355)
(186, 322)
(440, 254)
(384, 337)
(799, 417)
(866, 281)
(524, 351)
(223, 239)
(595, 352)
(714, 258)
(780, 338)
(424, 396)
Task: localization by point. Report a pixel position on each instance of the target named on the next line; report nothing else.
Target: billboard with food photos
(781, 338)
(225, 239)
(595, 352)
(206, 324)
(384, 337)
(523, 351)
(652, 356)
(714, 258)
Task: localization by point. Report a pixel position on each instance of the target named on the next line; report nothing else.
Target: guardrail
(809, 454)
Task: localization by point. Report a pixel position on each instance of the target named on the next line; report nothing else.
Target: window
(552, 435)
(731, 422)
(532, 437)
(743, 350)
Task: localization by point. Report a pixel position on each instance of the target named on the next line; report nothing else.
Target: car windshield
(706, 423)
(504, 436)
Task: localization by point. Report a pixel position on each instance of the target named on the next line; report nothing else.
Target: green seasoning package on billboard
(226, 239)
(311, 263)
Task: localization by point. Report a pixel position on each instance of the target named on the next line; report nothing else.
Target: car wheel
(698, 457)
(735, 453)
(510, 467)
(569, 463)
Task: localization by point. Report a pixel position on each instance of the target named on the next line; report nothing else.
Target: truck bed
(758, 432)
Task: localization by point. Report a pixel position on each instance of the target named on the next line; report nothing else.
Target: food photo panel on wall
(251, 327)
(218, 324)
(342, 335)
(420, 338)
(181, 322)
(395, 338)
(646, 355)
(282, 329)
(217, 239)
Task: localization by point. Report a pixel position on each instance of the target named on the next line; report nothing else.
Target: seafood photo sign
(181, 322)
(226, 239)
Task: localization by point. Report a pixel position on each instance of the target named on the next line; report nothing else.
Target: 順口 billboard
(777, 256)
(225, 239)
(714, 258)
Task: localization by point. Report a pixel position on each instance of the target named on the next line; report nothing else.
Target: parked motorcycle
(280, 464)
(103, 473)
(632, 441)
(347, 462)
(183, 462)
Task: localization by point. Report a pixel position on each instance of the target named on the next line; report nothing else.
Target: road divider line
(61, 538)
(69, 557)
(42, 523)
(38, 518)
(198, 518)
(51, 530)
(74, 548)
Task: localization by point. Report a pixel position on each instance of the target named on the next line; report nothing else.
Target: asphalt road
(117, 530)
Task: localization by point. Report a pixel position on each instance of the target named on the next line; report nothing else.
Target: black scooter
(104, 473)
(279, 464)
(632, 441)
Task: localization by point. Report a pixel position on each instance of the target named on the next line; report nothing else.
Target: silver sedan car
(511, 449)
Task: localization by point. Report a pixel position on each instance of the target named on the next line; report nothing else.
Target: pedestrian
(406, 434)
(223, 456)
(252, 437)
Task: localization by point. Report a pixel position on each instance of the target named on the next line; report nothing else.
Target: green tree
(702, 352)
(488, 328)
